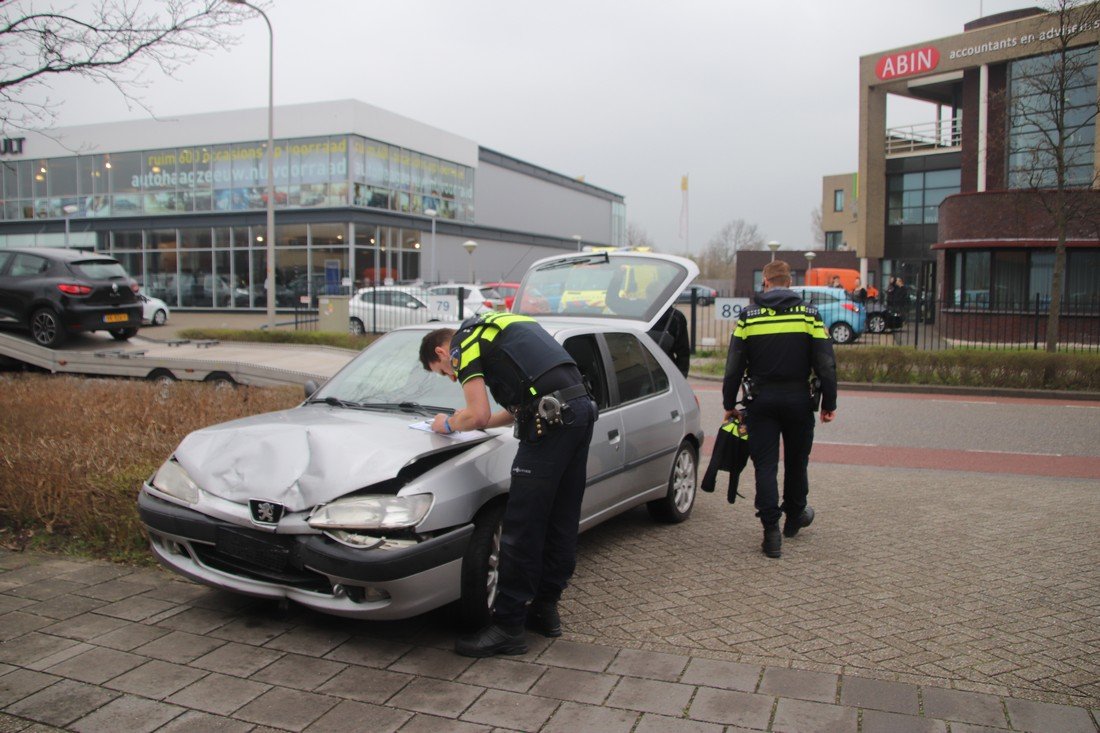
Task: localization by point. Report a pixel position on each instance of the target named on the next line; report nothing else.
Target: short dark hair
(438, 337)
(778, 273)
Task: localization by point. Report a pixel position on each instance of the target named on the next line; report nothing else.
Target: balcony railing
(927, 137)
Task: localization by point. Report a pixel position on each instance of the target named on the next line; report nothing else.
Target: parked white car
(443, 300)
(342, 505)
(386, 307)
(153, 310)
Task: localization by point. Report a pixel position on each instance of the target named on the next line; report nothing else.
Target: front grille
(260, 556)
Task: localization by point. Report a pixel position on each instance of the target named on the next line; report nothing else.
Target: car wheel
(356, 327)
(876, 323)
(160, 317)
(123, 334)
(675, 506)
(481, 567)
(46, 328)
(841, 332)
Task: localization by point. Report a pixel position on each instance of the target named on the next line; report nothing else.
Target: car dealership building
(362, 196)
(959, 206)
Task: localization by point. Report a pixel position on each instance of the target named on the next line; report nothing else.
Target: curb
(934, 389)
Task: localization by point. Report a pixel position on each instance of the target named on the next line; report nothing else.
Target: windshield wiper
(333, 402)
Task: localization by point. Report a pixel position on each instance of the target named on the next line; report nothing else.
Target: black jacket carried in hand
(731, 453)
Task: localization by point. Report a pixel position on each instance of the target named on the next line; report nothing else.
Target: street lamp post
(773, 246)
(810, 261)
(431, 269)
(68, 210)
(270, 162)
(578, 238)
(470, 245)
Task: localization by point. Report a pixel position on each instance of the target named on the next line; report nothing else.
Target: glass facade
(332, 171)
(1038, 122)
(1014, 279)
(915, 198)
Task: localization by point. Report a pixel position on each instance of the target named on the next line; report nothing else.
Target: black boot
(493, 639)
(543, 617)
(773, 541)
(792, 525)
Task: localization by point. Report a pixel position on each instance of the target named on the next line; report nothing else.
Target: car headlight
(171, 479)
(371, 512)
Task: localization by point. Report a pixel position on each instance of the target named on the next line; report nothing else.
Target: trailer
(181, 359)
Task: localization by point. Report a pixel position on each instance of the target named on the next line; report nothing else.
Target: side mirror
(310, 388)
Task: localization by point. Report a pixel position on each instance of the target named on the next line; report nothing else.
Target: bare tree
(1052, 112)
(115, 42)
(717, 260)
(817, 229)
(636, 236)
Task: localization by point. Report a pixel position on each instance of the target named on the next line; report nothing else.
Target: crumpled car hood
(304, 456)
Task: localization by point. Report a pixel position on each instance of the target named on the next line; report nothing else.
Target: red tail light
(74, 289)
(851, 307)
(488, 304)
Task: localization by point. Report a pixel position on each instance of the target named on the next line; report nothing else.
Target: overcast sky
(755, 101)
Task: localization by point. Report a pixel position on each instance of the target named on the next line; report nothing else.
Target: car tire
(481, 567)
(356, 327)
(876, 323)
(675, 506)
(46, 328)
(160, 317)
(123, 334)
(842, 333)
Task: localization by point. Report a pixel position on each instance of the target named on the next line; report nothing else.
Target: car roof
(59, 253)
(820, 289)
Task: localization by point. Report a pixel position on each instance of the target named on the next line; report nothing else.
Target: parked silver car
(343, 505)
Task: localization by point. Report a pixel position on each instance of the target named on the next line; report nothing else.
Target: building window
(834, 240)
(1035, 118)
(838, 199)
(1021, 280)
(915, 198)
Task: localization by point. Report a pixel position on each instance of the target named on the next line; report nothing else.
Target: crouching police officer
(537, 380)
(780, 341)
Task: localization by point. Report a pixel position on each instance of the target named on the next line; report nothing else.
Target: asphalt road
(993, 434)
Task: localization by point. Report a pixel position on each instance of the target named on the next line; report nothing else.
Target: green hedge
(953, 368)
(970, 368)
(263, 336)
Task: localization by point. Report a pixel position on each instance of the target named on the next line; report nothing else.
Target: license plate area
(261, 552)
(115, 318)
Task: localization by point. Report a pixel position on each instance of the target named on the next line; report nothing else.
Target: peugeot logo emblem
(265, 512)
(114, 288)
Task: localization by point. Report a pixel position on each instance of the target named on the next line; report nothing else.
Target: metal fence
(925, 323)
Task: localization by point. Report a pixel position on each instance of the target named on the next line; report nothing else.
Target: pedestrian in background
(778, 344)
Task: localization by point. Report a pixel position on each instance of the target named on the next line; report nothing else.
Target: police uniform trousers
(539, 540)
(776, 412)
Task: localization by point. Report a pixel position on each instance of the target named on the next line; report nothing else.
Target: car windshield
(389, 372)
(98, 269)
(622, 287)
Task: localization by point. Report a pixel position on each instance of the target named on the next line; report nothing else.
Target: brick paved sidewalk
(918, 601)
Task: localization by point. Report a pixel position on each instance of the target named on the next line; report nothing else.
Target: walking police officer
(779, 342)
(538, 382)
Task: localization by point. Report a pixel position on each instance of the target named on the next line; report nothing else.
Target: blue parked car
(845, 320)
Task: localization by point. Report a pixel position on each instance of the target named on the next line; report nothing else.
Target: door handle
(675, 416)
(614, 438)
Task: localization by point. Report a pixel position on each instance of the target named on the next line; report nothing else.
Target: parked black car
(880, 318)
(55, 292)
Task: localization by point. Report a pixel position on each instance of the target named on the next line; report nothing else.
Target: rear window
(98, 269)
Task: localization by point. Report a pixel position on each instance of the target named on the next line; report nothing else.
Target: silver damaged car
(343, 505)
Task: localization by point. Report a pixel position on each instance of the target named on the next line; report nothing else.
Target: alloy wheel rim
(44, 328)
(492, 577)
(684, 481)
